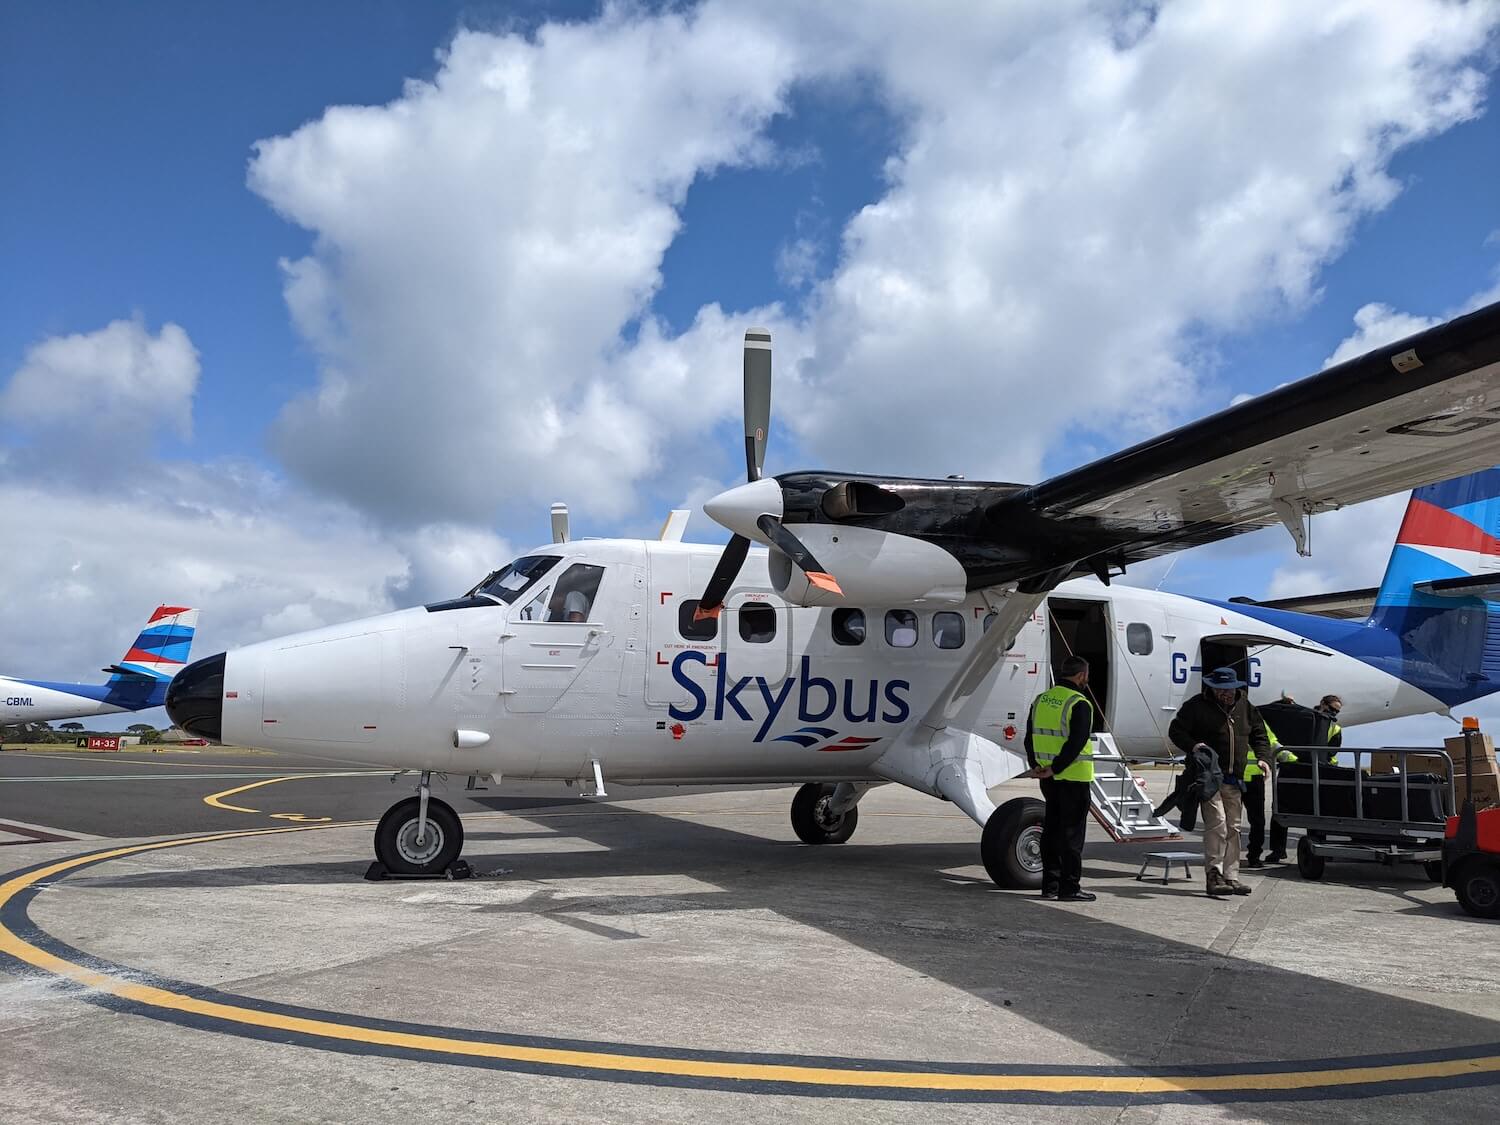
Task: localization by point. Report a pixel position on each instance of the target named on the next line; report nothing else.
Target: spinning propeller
(754, 510)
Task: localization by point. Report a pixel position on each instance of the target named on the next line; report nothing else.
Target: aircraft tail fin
(162, 648)
(1441, 591)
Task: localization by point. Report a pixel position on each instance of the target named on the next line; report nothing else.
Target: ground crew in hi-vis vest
(1060, 747)
(1255, 805)
(1328, 708)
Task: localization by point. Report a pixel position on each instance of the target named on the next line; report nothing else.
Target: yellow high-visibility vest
(1252, 768)
(1051, 715)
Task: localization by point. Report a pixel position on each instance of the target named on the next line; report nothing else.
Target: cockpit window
(510, 582)
(573, 597)
(536, 608)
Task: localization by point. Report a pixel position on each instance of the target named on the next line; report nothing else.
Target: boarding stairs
(1118, 798)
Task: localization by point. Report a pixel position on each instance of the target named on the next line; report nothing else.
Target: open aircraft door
(1244, 652)
(1083, 627)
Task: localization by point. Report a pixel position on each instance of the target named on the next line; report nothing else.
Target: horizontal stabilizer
(1485, 586)
(1347, 605)
(127, 673)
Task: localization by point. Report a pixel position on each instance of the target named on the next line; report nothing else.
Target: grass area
(160, 747)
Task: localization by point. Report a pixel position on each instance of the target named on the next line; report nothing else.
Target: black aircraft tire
(1477, 884)
(395, 838)
(810, 819)
(1309, 865)
(1011, 846)
(1434, 869)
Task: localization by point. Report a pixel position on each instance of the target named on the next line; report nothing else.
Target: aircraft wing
(1408, 414)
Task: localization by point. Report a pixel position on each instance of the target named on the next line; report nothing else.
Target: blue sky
(844, 176)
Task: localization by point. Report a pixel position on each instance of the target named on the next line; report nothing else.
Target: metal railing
(1359, 778)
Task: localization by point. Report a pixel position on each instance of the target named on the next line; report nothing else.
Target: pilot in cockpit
(573, 598)
(575, 606)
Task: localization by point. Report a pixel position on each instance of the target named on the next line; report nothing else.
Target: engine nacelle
(877, 568)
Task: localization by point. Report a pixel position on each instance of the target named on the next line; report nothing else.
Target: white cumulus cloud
(1077, 191)
(115, 382)
(482, 242)
(1084, 187)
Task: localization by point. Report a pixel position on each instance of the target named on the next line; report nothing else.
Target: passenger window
(989, 619)
(536, 608)
(757, 624)
(849, 626)
(573, 597)
(1138, 639)
(705, 630)
(948, 630)
(900, 628)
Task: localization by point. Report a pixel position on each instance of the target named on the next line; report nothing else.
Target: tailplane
(162, 648)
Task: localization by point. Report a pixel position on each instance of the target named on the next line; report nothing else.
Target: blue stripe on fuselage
(1431, 653)
(129, 694)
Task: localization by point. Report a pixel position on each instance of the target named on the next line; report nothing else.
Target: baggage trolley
(1364, 828)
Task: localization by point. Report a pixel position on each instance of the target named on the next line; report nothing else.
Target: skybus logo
(818, 699)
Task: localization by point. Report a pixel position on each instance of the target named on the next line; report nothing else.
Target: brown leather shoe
(1217, 886)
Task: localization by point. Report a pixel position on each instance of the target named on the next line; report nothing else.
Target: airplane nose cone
(195, 698)
(738, 508)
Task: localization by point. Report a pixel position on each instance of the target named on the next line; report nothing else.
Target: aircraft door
(674, 586)
(1144, 703)
(1082, 627)
(757, 639)
(552, 636)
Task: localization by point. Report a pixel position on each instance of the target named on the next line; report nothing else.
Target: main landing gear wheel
(1011, 845)
(397, 844)
(814, 823)
(1477, 884)
(1309, 864)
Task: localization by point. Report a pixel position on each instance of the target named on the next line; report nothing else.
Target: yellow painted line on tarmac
(216, 800)
(603, 1062)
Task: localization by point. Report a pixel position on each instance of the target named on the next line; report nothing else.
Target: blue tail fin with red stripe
(1441, 591)
(162, 648)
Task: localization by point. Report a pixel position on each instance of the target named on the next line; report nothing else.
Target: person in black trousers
(1060, 748)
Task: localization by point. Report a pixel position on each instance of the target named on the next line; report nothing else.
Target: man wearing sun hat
(1220, 717)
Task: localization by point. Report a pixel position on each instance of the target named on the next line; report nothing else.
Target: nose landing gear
(419, 838)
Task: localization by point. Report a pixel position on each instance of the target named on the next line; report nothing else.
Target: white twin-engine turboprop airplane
(897, 629)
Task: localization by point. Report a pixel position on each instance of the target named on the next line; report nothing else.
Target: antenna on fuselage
(559, 522)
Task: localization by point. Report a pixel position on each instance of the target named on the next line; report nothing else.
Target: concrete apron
(689, 944)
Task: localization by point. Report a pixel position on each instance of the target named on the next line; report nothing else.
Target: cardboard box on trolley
(1486, 771)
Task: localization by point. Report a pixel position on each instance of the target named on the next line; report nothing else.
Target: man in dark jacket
(1221, 719)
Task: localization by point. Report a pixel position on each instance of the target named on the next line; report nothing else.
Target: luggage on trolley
(1348, 813)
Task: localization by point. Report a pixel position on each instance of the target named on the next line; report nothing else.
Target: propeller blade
(789, 545)
(757, 400)
(559, 522)
(712, 602)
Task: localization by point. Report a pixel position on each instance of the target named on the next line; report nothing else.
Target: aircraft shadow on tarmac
(1127, 994)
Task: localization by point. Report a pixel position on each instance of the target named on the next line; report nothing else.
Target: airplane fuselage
(779, 693)
(32, 701)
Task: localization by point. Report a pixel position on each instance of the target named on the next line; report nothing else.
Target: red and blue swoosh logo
(810, 737)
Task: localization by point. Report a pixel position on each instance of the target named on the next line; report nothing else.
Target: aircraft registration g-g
(897, 629)
(137, 682)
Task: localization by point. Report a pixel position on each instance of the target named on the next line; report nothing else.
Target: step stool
(1167, 860)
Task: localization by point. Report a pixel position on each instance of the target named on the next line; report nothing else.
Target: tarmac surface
(201, 945)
